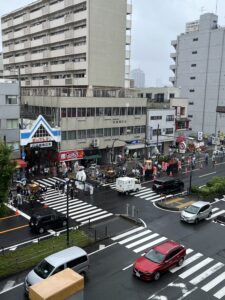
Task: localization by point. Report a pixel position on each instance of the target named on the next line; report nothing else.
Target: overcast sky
(154, 24)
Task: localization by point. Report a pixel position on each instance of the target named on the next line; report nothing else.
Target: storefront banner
(71, 155)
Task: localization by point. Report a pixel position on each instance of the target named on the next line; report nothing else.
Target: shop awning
(20, 164)
(92, 157)
(135, 146)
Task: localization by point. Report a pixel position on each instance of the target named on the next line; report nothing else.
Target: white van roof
(65, 255)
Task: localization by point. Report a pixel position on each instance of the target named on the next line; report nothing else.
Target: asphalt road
(110, 274)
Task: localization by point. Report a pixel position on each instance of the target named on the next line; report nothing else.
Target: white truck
(125, 185)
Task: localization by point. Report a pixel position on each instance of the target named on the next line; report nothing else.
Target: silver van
(197, 211)
(73, 257)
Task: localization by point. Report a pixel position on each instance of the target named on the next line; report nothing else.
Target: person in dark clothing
(71, 193)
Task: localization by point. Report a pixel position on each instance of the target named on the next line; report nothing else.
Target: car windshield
(155, 256)
(192, 209)
(43, 269)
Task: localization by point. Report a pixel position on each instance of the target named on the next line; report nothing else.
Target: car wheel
(41, 230)
(180, 261)
(157, 276)
(196, 221)
(210, 214)
(64, 223)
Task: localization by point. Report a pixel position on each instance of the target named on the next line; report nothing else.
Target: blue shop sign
(134, 142)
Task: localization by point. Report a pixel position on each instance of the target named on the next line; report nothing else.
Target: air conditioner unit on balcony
(95, 143)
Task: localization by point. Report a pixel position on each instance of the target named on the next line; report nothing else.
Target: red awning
(20, 164)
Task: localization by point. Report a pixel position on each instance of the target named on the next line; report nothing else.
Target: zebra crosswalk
(204, 272)
(79, 210)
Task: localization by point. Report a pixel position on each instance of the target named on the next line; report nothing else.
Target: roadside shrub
(4, 211)
(214, 188)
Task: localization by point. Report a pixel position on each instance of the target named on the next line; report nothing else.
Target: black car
(167, 185)
(44, 220)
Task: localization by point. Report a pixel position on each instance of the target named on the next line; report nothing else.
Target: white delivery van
(125, 185)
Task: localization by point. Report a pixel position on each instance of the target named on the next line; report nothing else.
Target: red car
(159, 260)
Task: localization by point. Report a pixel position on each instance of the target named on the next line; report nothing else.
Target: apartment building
(1, 66)
(138, 77)
(10, 114)
(82, 46)
(72, 57)
(199, 72)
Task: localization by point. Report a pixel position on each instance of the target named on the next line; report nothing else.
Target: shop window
(71, 135)
(64, 135)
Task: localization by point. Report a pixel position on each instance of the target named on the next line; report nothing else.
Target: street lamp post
(67, 214)
(190, 179)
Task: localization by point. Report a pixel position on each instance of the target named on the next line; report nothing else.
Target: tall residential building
(139, 78)
(82, 44)
(1, 65)
(199, 71)
(10, 114)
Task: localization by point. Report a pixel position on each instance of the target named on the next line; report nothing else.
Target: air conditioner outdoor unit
(95, 143)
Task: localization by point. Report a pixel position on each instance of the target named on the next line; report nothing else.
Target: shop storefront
(39, 146)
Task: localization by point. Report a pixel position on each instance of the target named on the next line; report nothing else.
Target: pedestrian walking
(206, 158)
(213, 160)
(19, 200)
(71, 193)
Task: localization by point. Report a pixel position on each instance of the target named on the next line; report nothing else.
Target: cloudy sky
(154, 24)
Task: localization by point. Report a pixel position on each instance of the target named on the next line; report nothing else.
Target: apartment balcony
(4, 25)
(128, 24)
(38, 70)
(36, 14)
(8, 36)
(128, 39)
(18, 33)
(129, 9)
(36, 43)
(17, 21)
(172, 79)
(19, 59)
(174, 43)
(18, 47)
(127, 69)
(56, 7)
(36, 28)
(127, 54)
(173, 68)
(80, 32)
(173, 56)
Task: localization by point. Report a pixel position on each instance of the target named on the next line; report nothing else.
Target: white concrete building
(82, 44)
(199, 68)
(160, 132)
(1, 65)
(138, 77)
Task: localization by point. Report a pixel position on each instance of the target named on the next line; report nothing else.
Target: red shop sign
(71, 155)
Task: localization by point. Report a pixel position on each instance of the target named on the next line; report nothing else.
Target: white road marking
(134, 237)
(187, 262)
(128, 267)
(196, 268)
(15, 286)
(152, 236)
(207, 273)
(150, 244)
(207, 287)
(206, 174)
(220, 293)
(188, 293)
(216, 214)
(126, 233)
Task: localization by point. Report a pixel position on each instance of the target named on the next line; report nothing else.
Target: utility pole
(157, 137)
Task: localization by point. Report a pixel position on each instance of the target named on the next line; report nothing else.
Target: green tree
(7, 168)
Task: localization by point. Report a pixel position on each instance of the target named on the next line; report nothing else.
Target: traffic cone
(17, 213)
(171, 174)
(45, 205)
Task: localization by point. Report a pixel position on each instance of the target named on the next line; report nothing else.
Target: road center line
(11, 288)
(15, 228)
(207, 174)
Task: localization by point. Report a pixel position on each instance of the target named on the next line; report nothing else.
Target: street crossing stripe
(141, 189)
(187, 262)
(127, 233)
(90, 211)
(207, 273)
(89, 216)
(145, 239)
(146, 191)
(150, 244)
(134, 237)
(216, 214)
(148, 194)
(220, 293)
(77, 207)
(98, 218)
(207, 287)
(196, 268)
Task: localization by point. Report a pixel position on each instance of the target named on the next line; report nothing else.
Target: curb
(137, 221)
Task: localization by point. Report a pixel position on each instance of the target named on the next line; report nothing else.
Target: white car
(197, 211)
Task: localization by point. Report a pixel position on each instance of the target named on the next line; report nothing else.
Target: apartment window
(149, 96)
(64, 135)
(123, 130)
(108, 111)
(192, 78)
(12, 124)
(130, 111)
(191, 103)
(191, 90)
(10, 99)
(190, 116)
(194, 52)
(63, 112)
(144, 110)
(130, 130)
(90, 112)
(123, 111)
(81, 134)
(116, 111)
(137, 129)
(159, 97)
(99, 132)
(137, 110)
(107, 131)
(81, 112)
(115, 131)
(154, 132)
(143, 129)
(90, 133)
(71, 112)
(99, 111)
(170, 118)
(156, 117)
(169, 130)
(71, 135)
(172, 95)
(195, 39)
(193, 65)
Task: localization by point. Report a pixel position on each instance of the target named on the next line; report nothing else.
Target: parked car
(46, 219)
(197, 211)
(167, 185)
(159, 260)
(73, 257)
